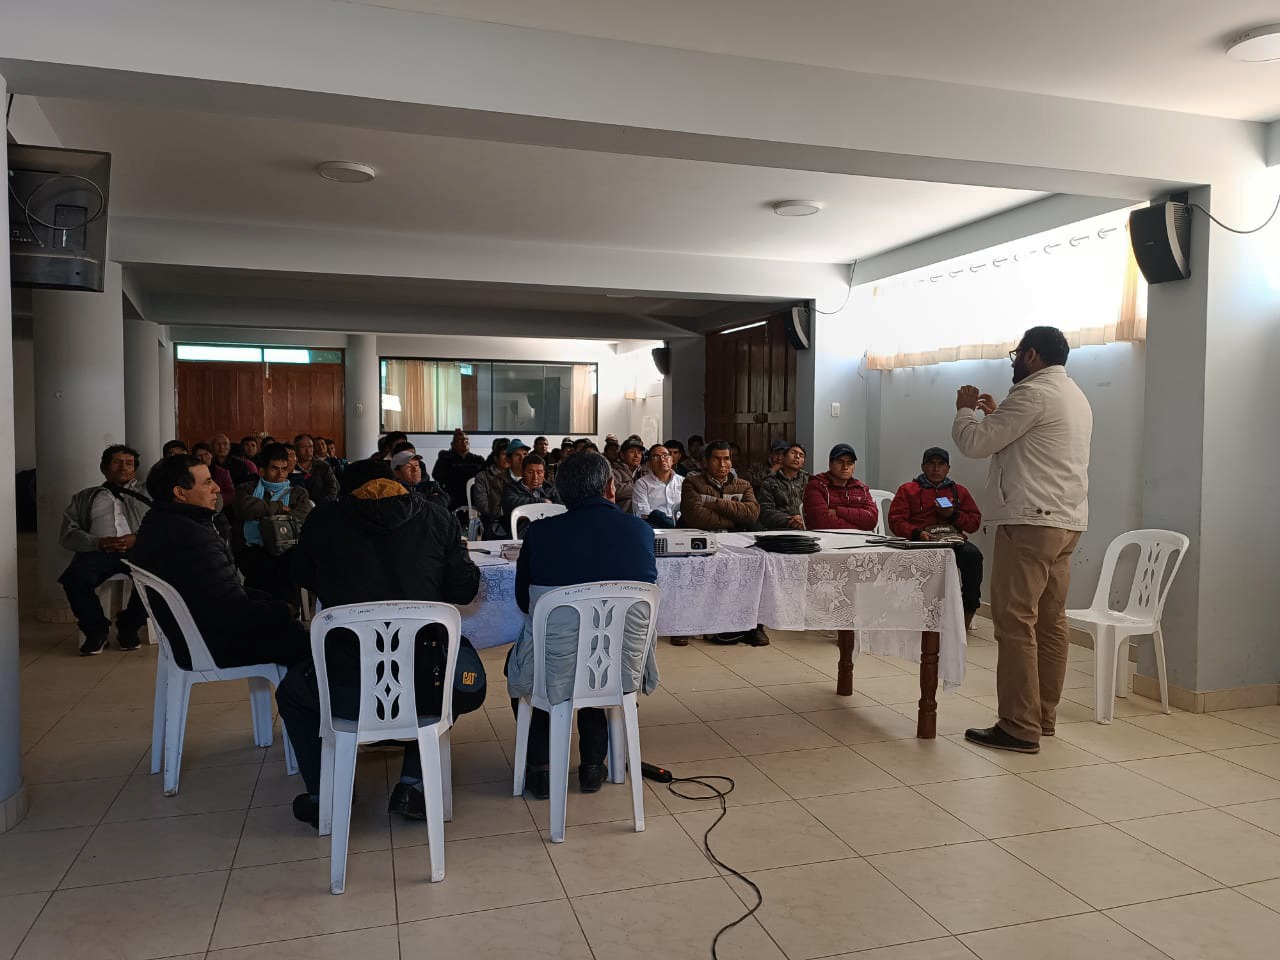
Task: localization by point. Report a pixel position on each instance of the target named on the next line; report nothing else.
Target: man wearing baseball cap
(836, 500)
(625, 467)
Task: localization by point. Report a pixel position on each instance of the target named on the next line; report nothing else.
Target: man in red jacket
(835, 500)
(934, 500)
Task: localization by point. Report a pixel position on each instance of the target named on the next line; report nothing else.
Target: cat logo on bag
(468, 678)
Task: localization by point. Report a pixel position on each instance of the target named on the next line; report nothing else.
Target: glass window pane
(408, 395)
(518, 398)
(206, 351)
(279, 355)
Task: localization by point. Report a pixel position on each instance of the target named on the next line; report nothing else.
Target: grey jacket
(74, 533)
(781, 499)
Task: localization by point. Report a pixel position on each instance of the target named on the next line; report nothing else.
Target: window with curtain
(1082, 279)
(500, 396)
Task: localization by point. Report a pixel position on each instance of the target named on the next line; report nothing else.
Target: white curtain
(1081, 279)
(582, 410)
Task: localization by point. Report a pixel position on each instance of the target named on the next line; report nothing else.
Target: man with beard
(1038, 439)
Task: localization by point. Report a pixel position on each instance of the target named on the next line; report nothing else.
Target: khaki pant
(1029, 581)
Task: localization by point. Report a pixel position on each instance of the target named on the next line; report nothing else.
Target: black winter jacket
(452, 472)
(179, 543)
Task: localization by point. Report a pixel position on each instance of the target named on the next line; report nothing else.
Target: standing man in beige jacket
(1038, 488)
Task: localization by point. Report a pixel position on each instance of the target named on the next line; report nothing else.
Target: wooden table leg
(844, 672)
(927, 718)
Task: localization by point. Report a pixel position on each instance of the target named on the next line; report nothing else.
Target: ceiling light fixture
(796, 208)
(346, 171)
(1256, 45)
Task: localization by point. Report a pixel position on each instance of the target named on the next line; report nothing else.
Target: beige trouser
(1029, 581)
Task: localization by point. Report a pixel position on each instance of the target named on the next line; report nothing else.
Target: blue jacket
(593, 540)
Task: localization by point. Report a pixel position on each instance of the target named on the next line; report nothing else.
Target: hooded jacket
(707, 505)
(831, 507)
(781, 499)
(914, 507)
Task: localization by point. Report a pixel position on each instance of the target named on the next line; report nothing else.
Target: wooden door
(304, 398)
(217, 397)
(751, 389)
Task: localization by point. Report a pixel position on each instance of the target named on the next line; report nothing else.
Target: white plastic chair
(1112, 630)
(114, 593)
(307, 612)
(602, 614)
(883, 499)
(388, 711)
(173, 684)
(531, 512)
(475, 525)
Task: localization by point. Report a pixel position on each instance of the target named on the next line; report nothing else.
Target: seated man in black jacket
(532, 487)
(376, 542)
(179, 543)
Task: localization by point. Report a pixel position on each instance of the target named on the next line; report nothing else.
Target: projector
(684, 543)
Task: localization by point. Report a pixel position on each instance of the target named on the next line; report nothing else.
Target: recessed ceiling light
(1258, 44)
(346, 171)
(796, 208)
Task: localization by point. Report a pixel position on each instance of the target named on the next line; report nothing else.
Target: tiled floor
(1158, 836)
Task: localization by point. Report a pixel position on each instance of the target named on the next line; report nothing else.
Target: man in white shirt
(100, 526)
(1038, 441)
(655, 495)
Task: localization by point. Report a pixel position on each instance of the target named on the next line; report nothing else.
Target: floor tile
(756, 735)
(539, 931)
(943, 948)
(612, 802)
(202, 790)
(807, 910)
(685, 916)
(1263, 719)
(479, 810)
(33, 862)
(904, 688)
(17, 914)
(1218, 925)
(1004, 806)
(767, 835)
(1204, 731)
(284, 901)
(144, 850)
(1263, 759)
(1105, 867)
(83, 760)
(973, 886)
(1266, 893)
(778, 672)
(1110, 792)
(77, 803)
(272, 835)
(750, 785)
(480, 874)
(662, 707)
(811, 697)
(1054, 754)
(926, 761)
(864, 724)
(95, 726)
(375, 943)
(1087, 935)
(821, 772)
(1265, 814)
(1120, 740)
(732, 704)
(1215, 843)
(478, 762)
(711, 677)
(603, 857)
(881, 821)
(955, 714)
(978, 682)
(1207, 778)
(138, 921)
(676, 743)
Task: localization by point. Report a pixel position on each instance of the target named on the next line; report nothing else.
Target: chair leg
(561, 734)
(328, 758)
(177, 697)
(632, 723)
(446, 773)
(1122, 669)
(432, 790)
(524, 716)
(290, 758)
(1158, 637)
(158, 714)
(260, 710)
(344, 779)
(1104, 674)
(617, 746)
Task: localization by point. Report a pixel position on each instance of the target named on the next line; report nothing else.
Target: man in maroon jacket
(933, 500)
(835, 500)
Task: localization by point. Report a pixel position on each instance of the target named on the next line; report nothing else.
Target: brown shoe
(679, 641)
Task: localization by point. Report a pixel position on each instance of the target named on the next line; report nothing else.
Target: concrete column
(142, 390)
(364, 395)
(168, 398)
(79, 356)
(13, 797)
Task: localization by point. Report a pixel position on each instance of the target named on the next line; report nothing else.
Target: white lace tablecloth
(492, 618)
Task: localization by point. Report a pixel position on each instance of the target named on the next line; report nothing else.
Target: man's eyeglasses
(1014, 354)
(659, 456)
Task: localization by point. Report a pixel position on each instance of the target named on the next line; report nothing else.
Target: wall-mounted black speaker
(796, 325)
(1161, 238)
(662, 360)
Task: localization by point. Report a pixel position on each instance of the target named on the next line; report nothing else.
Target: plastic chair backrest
(602, 616)
(531, 512)
(146, 582)
(883, 499)
(1156, 550)
(472, 512)
(386, 632)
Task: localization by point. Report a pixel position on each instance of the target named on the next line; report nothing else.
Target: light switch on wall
(835, 409)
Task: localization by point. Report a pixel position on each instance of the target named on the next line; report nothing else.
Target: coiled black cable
(789, 543)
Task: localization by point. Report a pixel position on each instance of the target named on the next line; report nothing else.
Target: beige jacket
(1038, 441)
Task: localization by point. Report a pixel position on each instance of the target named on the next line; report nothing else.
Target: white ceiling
(1167, 55)
(182, 164)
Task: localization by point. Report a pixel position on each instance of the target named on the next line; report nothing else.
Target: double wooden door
(281, 399)
(751, 389)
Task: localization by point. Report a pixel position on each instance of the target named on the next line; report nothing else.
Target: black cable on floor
(716, 793)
